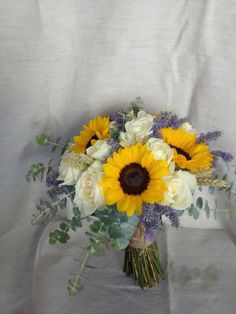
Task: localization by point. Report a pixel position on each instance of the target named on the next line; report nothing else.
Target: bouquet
(119, 178)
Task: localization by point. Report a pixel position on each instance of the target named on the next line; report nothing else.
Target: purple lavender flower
(209, 137)
(227, 157)
(118, 117)
(151, 218)
(167, 120)
(53, 184)
(115, 146)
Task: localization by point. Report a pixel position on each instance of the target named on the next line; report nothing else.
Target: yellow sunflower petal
(188, 154)
(133, 176)
(113, 195)
(111, 170)
(97, 128)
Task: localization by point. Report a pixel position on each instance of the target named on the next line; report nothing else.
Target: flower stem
(143, 265)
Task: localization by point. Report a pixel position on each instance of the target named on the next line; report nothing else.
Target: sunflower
(97, 129)
(132, 176)
(187, 153)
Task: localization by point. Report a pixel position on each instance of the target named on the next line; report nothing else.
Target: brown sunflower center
(181, 152)
(90, 141)
(134, 179)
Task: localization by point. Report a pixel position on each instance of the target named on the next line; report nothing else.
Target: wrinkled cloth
(61, 63)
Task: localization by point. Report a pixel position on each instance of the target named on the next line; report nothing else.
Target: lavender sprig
(167, 120)
(53, 184)
(151, 218)
(227, 157)
(209, 137)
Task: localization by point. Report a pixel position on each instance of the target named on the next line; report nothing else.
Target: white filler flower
(180, 187)
(69, 171)
(137, 130)
(188, 128)
(88, 194)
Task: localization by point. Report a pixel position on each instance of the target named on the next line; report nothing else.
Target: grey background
(62, 62)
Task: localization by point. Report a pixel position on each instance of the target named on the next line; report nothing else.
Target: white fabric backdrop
(62, 62)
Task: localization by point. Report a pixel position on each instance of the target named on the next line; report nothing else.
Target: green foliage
(115, 232)
(196, 213)
(96, 226)
(114, 133)
(58, 236)
(136, 105)
(199, 202)
(190, 210)
(48, 208)
(61, 235)
(64, 147)
(207, 209)
(74, 286)
(211, 190)
(179, 212)
(43, 140)
(36, 171)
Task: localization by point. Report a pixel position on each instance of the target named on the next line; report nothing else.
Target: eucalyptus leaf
(199, 202)
(196, 213)
(115, 231)
(179, 212)
(95, 227)
(190, 211)
(211, 190)
(43, 139)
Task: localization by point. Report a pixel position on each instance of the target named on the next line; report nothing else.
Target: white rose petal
(160, 149)
(188, 128)
(99, 150)
(127, 139)
(137, 130)
(180, 186)
(88, 194)
(67, 173)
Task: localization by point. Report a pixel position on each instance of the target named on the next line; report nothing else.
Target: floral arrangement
(120, 177)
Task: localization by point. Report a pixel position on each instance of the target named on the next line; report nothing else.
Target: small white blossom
(188, 128)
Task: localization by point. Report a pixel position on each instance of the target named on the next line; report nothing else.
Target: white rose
(68, 173)
(127, 139)
(137, 130)
(88, 194)
(160, 149)
(180, 187)
(188, 128)
(99, 150)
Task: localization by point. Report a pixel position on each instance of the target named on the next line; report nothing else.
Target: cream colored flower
(160, 149)
(137, 130)
(88, 194)
(180, 186)
(99, 150)
(71, 167)
(188, 128)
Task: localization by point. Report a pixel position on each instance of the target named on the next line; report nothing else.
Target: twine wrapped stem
(142, 260)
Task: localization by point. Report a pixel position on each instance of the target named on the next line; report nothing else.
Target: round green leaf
(115, 232)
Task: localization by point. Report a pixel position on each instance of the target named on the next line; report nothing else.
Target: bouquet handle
(141, 260)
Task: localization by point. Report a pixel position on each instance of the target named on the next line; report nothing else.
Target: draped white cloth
(61, 63)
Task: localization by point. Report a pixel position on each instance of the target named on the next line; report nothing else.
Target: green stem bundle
(143, 265)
